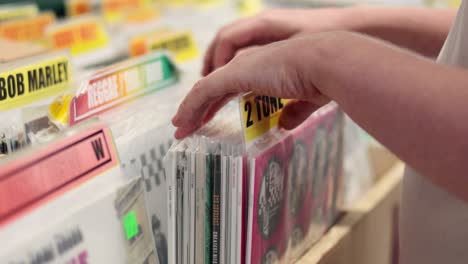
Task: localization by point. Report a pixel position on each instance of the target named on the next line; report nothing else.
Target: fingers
(295, 112)
(211, 111)
(271, 70)
(207, 65)
(241, 34)
(216, 106)
(215, 88)
(247, 51)
(232, 38)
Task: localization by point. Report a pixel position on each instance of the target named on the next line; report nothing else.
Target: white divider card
(120, 83)
(142, 154)
(68, 202)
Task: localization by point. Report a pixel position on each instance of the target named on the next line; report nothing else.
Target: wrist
(323, 51)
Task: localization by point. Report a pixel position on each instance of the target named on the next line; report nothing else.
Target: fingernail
(182, 133)
(178, 134)
(283, 123)
(175, 121)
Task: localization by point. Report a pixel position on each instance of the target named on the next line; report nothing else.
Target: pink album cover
(325, 171)
(293, 189)
(315, 154)
(266, 205)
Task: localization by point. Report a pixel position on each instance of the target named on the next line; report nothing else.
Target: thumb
(295, 112)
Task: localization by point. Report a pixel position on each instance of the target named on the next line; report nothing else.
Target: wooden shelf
(367, 232)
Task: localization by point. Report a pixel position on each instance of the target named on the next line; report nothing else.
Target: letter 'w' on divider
(97, 147)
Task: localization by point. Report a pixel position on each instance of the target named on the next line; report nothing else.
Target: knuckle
(239, 58)
(223, 37)
(198, 86)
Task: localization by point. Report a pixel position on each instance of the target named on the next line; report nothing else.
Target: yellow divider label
(80, 35)
(204, 3)
(115, 10)
(454, 3)
(28, 29)
(260, 114)
(177, 3)
(180, 44)
(250, 7)
(34, 82)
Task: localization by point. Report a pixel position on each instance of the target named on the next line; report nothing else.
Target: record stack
(238, 199)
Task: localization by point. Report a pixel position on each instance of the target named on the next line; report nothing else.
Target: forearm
(422, 30)
(413, 106)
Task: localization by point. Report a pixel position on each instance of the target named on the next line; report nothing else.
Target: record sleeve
(224, 207)
(216, 209)
(268, 177)
(192, 207)
(209, 207)
(200, 208)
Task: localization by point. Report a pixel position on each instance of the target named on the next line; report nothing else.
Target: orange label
(79, 7)
(142, 15)
(79, 36)
(114, 10)
(138, 47)
(28, 29)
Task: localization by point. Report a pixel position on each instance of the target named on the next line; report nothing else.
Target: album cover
(224, 224)
(216, 209)
(208, 207)
(267, 197)
(200, 208)
(192, 207)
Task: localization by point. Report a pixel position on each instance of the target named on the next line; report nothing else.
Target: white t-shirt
(434, 223)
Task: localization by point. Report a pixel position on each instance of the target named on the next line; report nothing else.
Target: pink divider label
(36, 177)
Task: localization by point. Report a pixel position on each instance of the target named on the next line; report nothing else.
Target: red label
(30, 180)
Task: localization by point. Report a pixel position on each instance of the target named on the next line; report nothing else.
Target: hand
(281, 69)
(268, 27)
